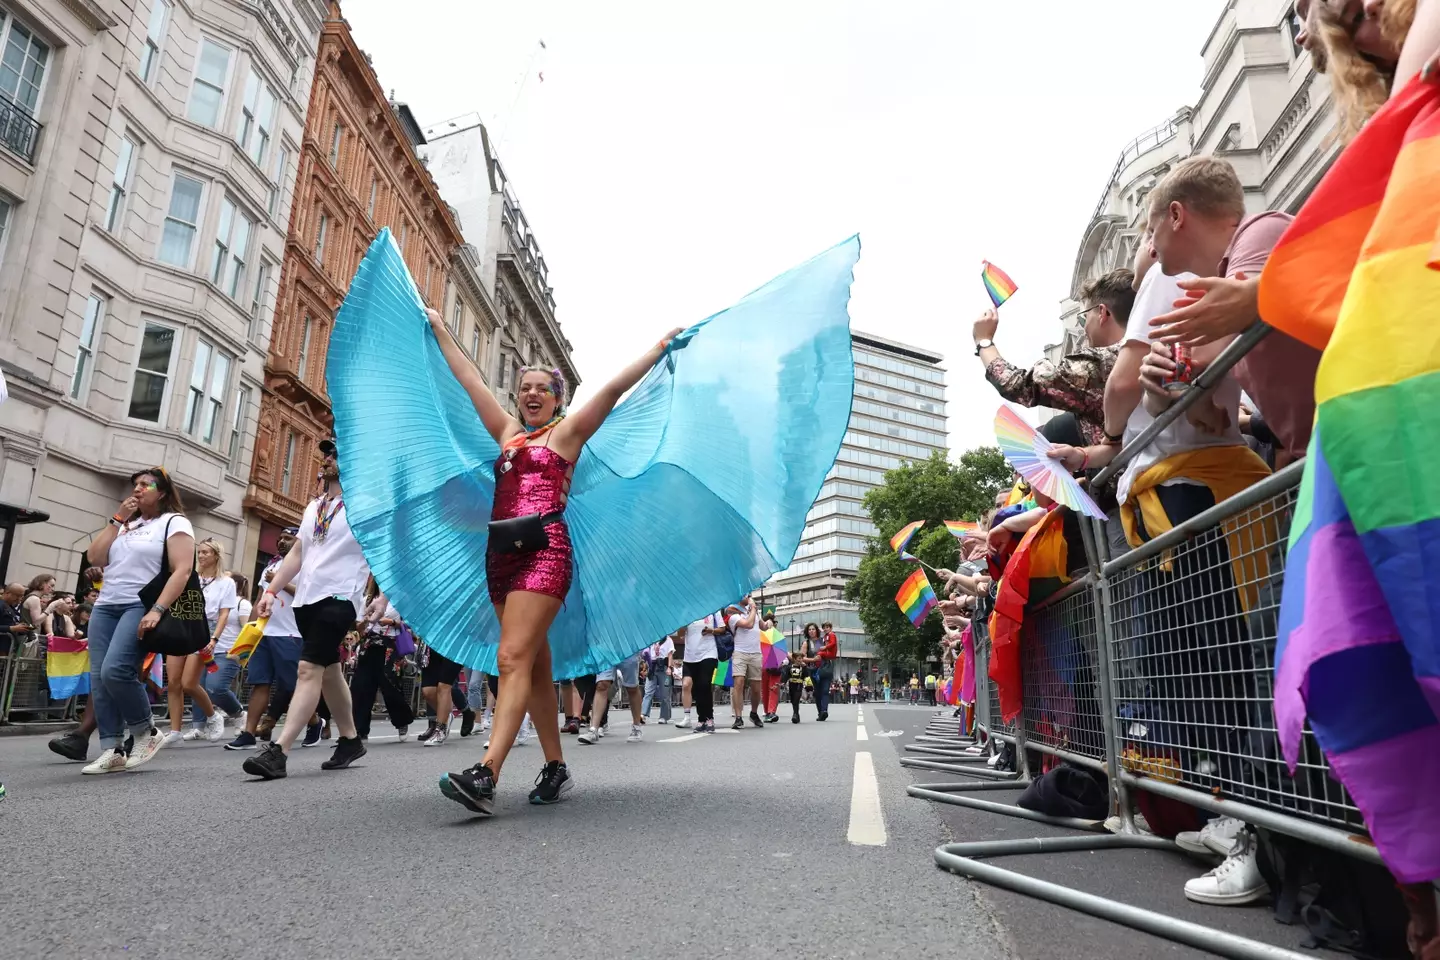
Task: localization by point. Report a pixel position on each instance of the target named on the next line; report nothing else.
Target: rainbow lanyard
(323, 520)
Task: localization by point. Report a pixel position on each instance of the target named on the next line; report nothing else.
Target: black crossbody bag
(183, 629)
(525, 534)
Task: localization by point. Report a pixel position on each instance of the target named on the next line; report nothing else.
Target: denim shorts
(628, 673)
(275, 660)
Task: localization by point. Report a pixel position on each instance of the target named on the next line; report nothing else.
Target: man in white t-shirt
(698, 672)
(330, 575)
(657, 678)
(274, 662)
(746, 663)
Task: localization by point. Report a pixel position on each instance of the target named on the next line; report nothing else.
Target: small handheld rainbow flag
(997, 283)
(248, 640)
(901, 540)
(961, 529)
(915, 598)
(67, 667)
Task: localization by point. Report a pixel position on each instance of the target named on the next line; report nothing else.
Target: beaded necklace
(323, 520)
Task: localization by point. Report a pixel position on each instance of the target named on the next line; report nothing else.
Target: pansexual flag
(997, 283)
(67, 667)
(1358, 650)
(961, 529)
(901, 540)
(915, 598)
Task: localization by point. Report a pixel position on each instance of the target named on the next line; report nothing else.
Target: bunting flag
(1038, 560)
(901, 540)
(997, 283)
(67, 667)
(915, 598)
(1358, 645)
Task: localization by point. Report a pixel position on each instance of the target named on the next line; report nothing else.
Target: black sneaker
(244, 740)
(738, 724)
(72, 746)
(312, 734)
(552, 784)
(473, 789)
(429, 732)
(772, 718)
(268, 764)
(794, 718)
(467, 723)
(347, 751)
(755, 719)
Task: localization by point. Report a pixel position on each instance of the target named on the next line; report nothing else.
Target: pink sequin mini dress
(532, 479)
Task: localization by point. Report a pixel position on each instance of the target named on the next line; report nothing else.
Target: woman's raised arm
(501, 425)
(576, 429)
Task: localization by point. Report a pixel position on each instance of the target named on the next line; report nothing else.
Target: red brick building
(357, 172)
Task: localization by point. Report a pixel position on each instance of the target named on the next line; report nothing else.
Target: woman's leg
(103, 706)
(121, 675)
(194, 674)
(220, 686)
(525, 620)
(544, 713)
(175, 692)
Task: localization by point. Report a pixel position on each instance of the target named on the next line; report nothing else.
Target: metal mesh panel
(1193, 651)
(1060, 660)
(985, 691)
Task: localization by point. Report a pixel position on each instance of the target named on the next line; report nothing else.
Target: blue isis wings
(693, 492)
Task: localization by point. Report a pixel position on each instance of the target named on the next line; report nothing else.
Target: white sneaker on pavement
(1217, 836)
(215, 727)
(636, 734)
(1236, 881)
(173, 737)
(144, 749)
(684, 722)
(108, 762)
(590, 735)
(438, 738)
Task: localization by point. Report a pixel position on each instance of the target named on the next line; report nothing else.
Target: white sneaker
(1234, 882)
(591, 735)
(1113, 824)
(440, 734)
(1217, 836)
(215, 727)
(662, 721)
(402, 734)
(684, 722)
(107, 762)
(194, 733)
(144, 750)
(636, 734)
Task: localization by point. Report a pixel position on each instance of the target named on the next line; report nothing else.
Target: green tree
(933, 490)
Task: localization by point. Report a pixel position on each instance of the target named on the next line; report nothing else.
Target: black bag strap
(165, 548)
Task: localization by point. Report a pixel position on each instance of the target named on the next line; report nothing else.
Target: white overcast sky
(678, 154)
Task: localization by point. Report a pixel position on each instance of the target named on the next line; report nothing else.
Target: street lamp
(794, 642)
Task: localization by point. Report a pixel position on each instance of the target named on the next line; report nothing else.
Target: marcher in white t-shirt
(330, 574)
(657, 680)
(148, 531)
(698, 672)
(187, 675)
(746, 663)
(273, 664)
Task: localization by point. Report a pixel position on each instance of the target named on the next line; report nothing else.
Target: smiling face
(207, 556)
(537, 399)
(329, 468)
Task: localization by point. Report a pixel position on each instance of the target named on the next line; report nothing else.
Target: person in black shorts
(330, 574)
(438, 676)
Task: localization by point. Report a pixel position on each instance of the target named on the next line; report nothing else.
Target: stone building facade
(144, 198)
(357, 171)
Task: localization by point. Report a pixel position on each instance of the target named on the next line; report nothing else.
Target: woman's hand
(986, 326)
(128, 508)
(1072, 457)
(437, 322)
(659, 349)
(149, 622)
(263, 605)
(209, 650)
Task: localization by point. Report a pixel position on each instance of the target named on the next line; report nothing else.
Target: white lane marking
(692, 736)
(860, 716)
(860, 734)
(867, 822)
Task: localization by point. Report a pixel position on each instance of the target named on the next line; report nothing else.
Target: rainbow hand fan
(1028, 452)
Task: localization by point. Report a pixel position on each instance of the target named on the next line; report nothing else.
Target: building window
(22, 67)
(120, 184)
(288, 463)
(232, 246)
(207, 92)
(257, 119)
(154, 39)
(475, 345)
(425, 290)
(320, 232)
(240, 407)
(374, 192)
(457, 318)
(281, 166)
(152, 373)
(337, 137)
(404, 235)
(178, 238)
(1293, 27)
(257, 302)
(302, 359)
(85, 350)
(208, 380)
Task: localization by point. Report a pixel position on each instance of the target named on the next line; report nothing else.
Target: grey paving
(721, 845)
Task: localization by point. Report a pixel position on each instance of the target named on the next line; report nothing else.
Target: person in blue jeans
(148, 531)
(275, 661)
(659, 658)
(818, 651)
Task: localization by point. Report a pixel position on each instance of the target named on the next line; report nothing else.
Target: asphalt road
(774, 840)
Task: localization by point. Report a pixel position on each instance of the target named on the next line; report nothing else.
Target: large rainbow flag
(1358, 273)
(67, 667)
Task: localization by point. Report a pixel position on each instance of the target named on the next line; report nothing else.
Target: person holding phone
(148, 529)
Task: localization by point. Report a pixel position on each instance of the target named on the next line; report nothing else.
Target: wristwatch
(164, 608)
(982, 344)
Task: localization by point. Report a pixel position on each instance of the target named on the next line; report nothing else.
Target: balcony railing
(19, 132)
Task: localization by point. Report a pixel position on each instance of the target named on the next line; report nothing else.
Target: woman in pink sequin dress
(538, 453)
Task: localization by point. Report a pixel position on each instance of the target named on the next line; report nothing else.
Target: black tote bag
(182, 630)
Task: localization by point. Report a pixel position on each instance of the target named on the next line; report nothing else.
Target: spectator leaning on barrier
(13, 627)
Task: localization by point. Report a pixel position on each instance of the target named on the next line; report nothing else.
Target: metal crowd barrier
(1157, 667)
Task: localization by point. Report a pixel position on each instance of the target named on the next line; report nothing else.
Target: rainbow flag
(961, 529)
(155, 668)
(67, 667)
(248, 640)
(915, 598)
(997, 283)
(724, 673)
(901, 540)
(1358, 649)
